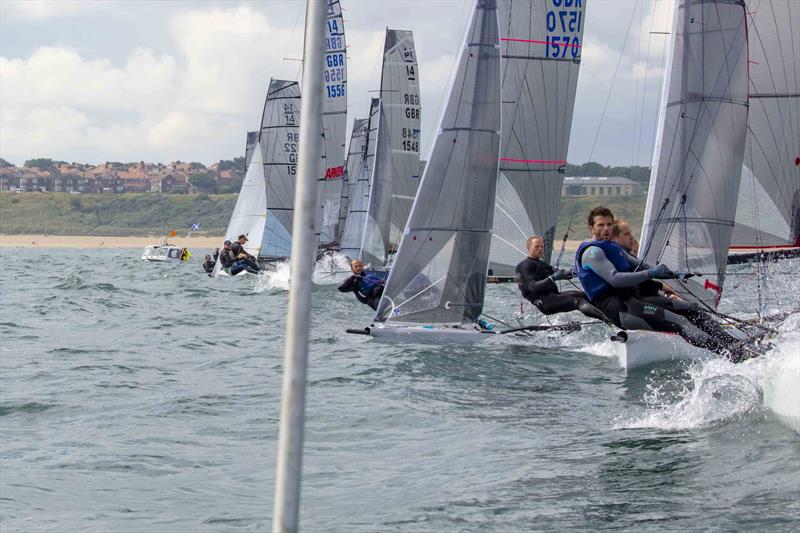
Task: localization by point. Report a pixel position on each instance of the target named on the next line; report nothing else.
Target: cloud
(42, 9)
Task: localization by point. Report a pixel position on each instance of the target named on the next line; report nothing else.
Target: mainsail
(334, 121)
(697, 162)
(439, 274)
(400, 97)
(355, 157)
(252, 138)
(280, 133)
(540, 45)
(353, 234)
(768, 214)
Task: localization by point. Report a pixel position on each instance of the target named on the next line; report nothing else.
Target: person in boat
(226, 257)
(244, 259)
(537, 283)
(208, 264)
(610, 280)
(185, 254)
(215, 255)
(367, 286)
(621, 234)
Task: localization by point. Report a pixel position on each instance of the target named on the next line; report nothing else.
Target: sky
(95, 81)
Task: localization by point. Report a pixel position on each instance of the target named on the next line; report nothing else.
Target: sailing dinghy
(435, 289)
(691, 204)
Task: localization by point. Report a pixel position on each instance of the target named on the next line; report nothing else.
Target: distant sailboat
(353, 233)
(540, 51)
(768, 212)
(250, 212)
(334, 124)
(355, 157)
(280, 132)
(437, 282)
(395, 168)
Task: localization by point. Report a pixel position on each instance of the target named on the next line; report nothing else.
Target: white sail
(280, 132)
(439, 274)
(252, 138)
(697, 163)
(355, 225)
(768, 214)
(334, 122)
(250, 212)
(540, 44)
(356, 152)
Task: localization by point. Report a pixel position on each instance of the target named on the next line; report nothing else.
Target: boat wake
(718, 391)
(331, 269)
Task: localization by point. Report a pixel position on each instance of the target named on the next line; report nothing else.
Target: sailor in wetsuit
(368, 286)
(537, 283)
(208, 265)
(610, 280)
(244, 261)
(621, 234)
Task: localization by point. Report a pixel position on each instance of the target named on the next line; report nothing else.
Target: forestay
(353, 234)
(334, 122)
(280, 132)
(697, 163)
(540, 44)
(439, 274)
(768, 214)
(252, 137)
(356, 152)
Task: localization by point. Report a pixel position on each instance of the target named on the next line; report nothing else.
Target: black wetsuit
(226, 258)
(536, 285)
(371, 297)
(208, 266)
(631, 306)
(248, 262)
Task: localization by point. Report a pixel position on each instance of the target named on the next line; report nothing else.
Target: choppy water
(145, 397)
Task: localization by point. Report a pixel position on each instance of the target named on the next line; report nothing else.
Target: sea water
(145, 397)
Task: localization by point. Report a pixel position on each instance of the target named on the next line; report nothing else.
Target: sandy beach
(97, 241)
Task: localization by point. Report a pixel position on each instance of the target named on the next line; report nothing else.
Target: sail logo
(334, 172)
(408, 55)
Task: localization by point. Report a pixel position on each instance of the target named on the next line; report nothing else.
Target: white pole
(304, 252)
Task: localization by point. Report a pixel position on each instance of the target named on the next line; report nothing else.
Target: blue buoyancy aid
(592, 284)
(368, 282)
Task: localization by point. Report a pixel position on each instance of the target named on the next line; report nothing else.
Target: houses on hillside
(173, 178)
(601, 186)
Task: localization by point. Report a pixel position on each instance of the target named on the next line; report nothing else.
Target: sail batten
(541, 53)
(439, 273)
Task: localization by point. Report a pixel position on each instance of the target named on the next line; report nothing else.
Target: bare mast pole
(304, 250)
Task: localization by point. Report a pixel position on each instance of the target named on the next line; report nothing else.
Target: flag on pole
(173, 233)
(196, 227)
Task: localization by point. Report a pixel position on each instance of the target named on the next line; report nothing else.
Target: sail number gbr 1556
(334, 75)
(563, 22)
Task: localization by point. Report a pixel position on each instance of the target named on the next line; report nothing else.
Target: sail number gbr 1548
(563, 21)
(334, 75)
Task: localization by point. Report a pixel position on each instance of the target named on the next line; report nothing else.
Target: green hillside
(113, 214)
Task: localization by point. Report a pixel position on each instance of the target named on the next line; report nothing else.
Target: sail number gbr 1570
(563, 21)
(334, 75)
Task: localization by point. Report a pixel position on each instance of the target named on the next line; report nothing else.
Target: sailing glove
(560, 274)
(661, 272)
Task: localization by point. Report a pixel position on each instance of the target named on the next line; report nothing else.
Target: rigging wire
(597, 131)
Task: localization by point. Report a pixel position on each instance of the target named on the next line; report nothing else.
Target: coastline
(99, 241)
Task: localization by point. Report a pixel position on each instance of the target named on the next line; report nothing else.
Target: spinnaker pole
(304, 250)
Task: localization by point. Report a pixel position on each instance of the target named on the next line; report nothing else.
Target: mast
(290, 438)
(697, 161)
(540, 44)
(439, 274)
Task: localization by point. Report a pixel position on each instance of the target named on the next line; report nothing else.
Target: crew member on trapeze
(367, 286)
(611, 281)
(537, 283)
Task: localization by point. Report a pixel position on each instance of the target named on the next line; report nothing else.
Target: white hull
(782, 392)
(428, 334)
(644, 348)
